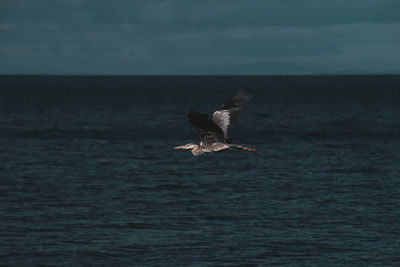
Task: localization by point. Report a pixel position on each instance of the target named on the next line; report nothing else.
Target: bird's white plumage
(222, 118)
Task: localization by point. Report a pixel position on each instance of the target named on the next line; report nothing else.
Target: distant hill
(269, 68)
(257, 68)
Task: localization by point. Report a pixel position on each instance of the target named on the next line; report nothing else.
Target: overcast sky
(199, 36)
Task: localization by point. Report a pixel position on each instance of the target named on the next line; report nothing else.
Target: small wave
(368, 170)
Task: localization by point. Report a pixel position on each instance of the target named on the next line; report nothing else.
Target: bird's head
(188, 146)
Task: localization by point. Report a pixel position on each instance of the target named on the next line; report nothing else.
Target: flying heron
(214, 133)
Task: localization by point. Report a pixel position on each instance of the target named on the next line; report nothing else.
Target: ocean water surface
(89, 176)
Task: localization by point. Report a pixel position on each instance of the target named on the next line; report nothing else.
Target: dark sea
(89, 176)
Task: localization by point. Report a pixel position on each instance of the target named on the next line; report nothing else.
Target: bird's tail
(245, 148)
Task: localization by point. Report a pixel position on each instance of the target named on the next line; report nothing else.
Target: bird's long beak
(179, 147)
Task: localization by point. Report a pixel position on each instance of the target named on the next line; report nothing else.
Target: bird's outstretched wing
(229, 112)
(209, 132)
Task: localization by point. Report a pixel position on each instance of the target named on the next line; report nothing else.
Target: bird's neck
(197, 150)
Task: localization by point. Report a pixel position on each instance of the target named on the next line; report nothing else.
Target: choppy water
(89, 176)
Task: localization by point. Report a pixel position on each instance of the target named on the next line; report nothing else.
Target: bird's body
(214, 133)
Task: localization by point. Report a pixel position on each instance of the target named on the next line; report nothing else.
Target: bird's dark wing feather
(209, 132)
(229, 112)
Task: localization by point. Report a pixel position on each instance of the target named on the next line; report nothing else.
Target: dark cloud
(215, 36)
(217, 14)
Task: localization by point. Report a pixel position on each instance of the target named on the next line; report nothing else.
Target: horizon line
(200, 75)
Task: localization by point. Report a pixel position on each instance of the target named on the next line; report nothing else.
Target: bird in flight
(214, 132)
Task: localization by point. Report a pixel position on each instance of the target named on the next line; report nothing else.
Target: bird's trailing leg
(245, 148)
